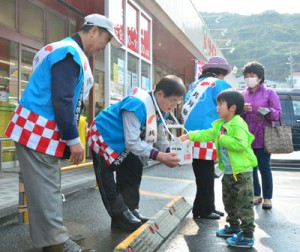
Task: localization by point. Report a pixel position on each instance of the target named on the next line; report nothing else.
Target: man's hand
(77, 153)
(169, 159)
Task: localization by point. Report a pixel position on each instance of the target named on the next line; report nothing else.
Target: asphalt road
(276, 230)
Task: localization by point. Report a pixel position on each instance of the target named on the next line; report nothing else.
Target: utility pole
(291, 63)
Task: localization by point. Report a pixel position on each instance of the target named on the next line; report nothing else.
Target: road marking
(161, 195)
(173, 179)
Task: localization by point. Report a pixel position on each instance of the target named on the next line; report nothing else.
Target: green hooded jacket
(237, 141)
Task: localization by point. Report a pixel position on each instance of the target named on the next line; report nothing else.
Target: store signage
(117, 15)
(132, 28)
(145, 37)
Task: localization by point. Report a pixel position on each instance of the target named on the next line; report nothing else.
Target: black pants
(121, 192)
(204, 202)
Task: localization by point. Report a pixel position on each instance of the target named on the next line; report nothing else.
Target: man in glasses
(122, 133)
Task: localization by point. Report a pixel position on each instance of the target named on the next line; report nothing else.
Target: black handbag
(278, 139)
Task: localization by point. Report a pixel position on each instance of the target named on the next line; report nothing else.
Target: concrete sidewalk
(72, 180)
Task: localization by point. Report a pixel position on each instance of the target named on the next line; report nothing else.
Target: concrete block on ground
(150, 236)
(144, 239)
(180, 207)
(164, 222)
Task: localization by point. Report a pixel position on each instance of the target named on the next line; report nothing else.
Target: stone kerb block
(180, 207)
(144, 239)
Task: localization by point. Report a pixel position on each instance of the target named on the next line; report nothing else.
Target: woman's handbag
(278, 139)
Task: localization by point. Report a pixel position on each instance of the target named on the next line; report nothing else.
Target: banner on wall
(209, 49)
(132, 28)
(145, 37)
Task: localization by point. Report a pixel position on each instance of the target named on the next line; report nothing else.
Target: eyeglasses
(174, 101)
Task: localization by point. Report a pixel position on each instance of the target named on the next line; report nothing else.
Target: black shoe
(126, 221)
(211, 216)
(196, 216)
(141, 217)
(67, 246)
(218, 212)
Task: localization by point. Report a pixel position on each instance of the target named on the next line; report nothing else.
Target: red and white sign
(198, 69)
(117, 15)
(132, 28)
(145, 37)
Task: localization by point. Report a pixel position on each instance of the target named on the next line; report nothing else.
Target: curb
(152, 234)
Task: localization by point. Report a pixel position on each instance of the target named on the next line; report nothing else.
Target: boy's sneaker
(227, 231)
(238, 240)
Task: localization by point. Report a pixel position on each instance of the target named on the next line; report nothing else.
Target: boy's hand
(183, 138)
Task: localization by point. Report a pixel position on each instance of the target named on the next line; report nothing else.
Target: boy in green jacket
(236, 158)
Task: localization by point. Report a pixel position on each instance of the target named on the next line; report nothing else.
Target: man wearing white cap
(44, 126)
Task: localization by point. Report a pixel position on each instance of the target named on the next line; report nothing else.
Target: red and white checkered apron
(96, 142)
(35, 132)
(204, 151)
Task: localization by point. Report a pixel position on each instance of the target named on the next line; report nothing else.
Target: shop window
(8, 13)
(26, 67)
(32, 19)
(132, 73)
(117, 75)
(9, 72)
(99, 91)
(99, 75)
(72, 27)
(146, 76)
(8, 91)
(56, 28)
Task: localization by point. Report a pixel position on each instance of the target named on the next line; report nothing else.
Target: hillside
(267, 37)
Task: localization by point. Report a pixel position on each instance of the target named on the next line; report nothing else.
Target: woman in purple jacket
(262, 108)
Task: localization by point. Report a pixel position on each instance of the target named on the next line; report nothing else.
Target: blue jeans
(265, 170)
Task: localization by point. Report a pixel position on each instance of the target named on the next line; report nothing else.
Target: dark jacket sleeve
(64, 79)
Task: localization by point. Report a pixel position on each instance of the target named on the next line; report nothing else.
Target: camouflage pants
(238, 202)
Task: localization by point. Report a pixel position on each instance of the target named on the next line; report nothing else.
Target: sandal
(257, 200)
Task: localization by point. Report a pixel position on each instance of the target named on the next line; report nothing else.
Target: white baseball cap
(104, 22)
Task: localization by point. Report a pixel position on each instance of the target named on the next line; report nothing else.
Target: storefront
(154, 44)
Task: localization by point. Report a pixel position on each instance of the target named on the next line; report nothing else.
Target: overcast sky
(248, 7)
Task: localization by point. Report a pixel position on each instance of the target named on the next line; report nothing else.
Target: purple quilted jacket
(265, 98)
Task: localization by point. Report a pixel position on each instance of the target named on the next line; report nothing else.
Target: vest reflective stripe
(151, 126)
(195, 96)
